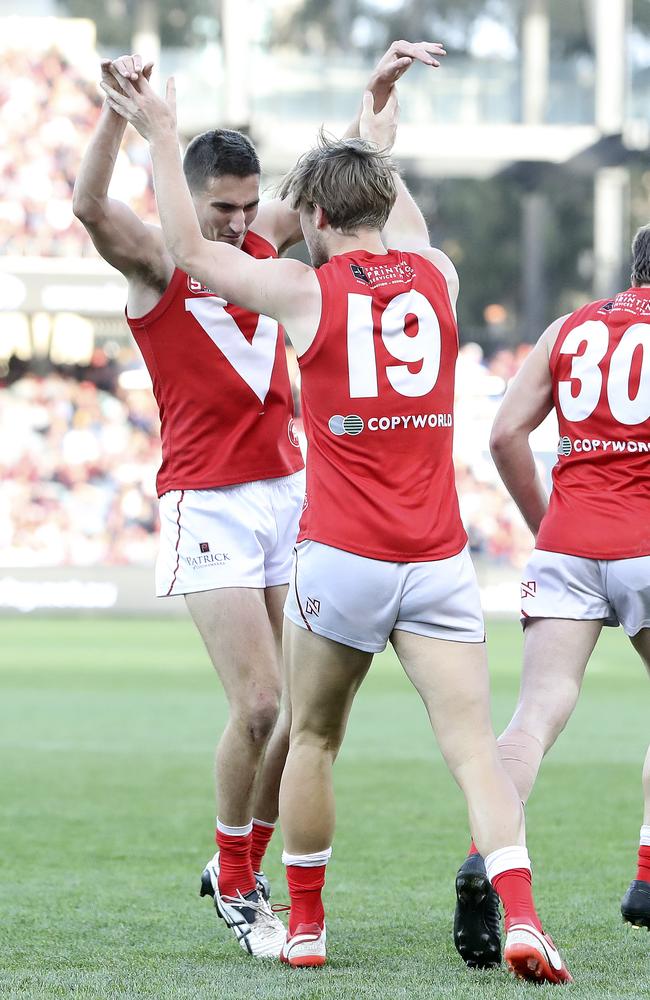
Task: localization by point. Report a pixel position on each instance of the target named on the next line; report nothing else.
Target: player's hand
(126, 67)
(395, 62)
(139, 104)
(379, 127)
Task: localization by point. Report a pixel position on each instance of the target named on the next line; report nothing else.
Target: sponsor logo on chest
(352, 425)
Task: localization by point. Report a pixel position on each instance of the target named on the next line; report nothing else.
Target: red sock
(514, 888)
(235, 868)
(473, 849)
(262, 833)
(305, 887)
(643, 870)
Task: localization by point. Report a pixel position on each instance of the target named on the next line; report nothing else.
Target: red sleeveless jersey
(377, 395)
(221, 382)
(600, 366)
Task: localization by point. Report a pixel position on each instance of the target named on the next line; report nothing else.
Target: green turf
(106, 735)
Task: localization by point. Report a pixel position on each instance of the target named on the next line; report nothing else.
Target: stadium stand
(37, 174)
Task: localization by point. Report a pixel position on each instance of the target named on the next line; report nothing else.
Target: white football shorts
(229, 536)
(359, 601)
(614, 591)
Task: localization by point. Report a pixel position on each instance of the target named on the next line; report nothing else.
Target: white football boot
(256, 927)
(531, 954)
(305, 948)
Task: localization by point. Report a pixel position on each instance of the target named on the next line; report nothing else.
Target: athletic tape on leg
(645, 836)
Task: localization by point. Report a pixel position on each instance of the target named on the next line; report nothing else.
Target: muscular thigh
(556, 653)
(237, 631)
(641, 642)
(452, 680)
(324, 677)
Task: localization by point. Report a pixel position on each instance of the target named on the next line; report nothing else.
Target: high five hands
(125, 81)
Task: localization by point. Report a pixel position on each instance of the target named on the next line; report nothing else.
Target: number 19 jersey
(221, 382)
(377, 387)
(600, 369)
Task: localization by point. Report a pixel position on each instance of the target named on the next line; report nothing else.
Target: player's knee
(543, 714)
(259, 717)
(323, 738)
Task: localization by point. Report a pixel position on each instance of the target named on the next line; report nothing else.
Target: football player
(381, 554)
(591, 563)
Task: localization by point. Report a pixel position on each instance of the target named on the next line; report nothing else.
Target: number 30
(585, 368)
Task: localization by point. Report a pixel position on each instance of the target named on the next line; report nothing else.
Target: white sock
(505, 859)
(262, 822)
(315, 860)
(234, 831)
(644, 840)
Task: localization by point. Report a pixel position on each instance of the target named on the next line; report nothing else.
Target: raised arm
(284, 289)
(527, 402)
(391, 67)
(122, 239)
(276, 221)
(405, 228)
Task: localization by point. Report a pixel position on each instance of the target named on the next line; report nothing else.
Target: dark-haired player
(230, 485)
(591, 564)
(231, 482)
(382, 553)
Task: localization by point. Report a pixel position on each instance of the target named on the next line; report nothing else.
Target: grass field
(106, 736)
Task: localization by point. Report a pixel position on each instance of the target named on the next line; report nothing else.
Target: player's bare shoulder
(442, 262)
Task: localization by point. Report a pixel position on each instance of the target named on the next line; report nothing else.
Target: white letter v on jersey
(252, 361)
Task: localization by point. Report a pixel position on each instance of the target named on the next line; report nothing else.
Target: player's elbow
(503, 437)
(87, 209)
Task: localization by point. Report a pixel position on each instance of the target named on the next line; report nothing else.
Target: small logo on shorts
(564, 446)
(207, 558)
(351, 425)
(312, 607)
(528, 589)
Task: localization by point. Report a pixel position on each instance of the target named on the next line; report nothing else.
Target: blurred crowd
(77, 471)
(48, 110)
(79, 451)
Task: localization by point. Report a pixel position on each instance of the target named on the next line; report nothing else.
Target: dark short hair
(350, 179)
(641, 257)
(218, 153)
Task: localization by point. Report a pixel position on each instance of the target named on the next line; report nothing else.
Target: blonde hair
(350, 179)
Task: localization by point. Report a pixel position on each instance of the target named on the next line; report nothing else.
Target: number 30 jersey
(222, 386)
(377, 388)
(600, 368)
